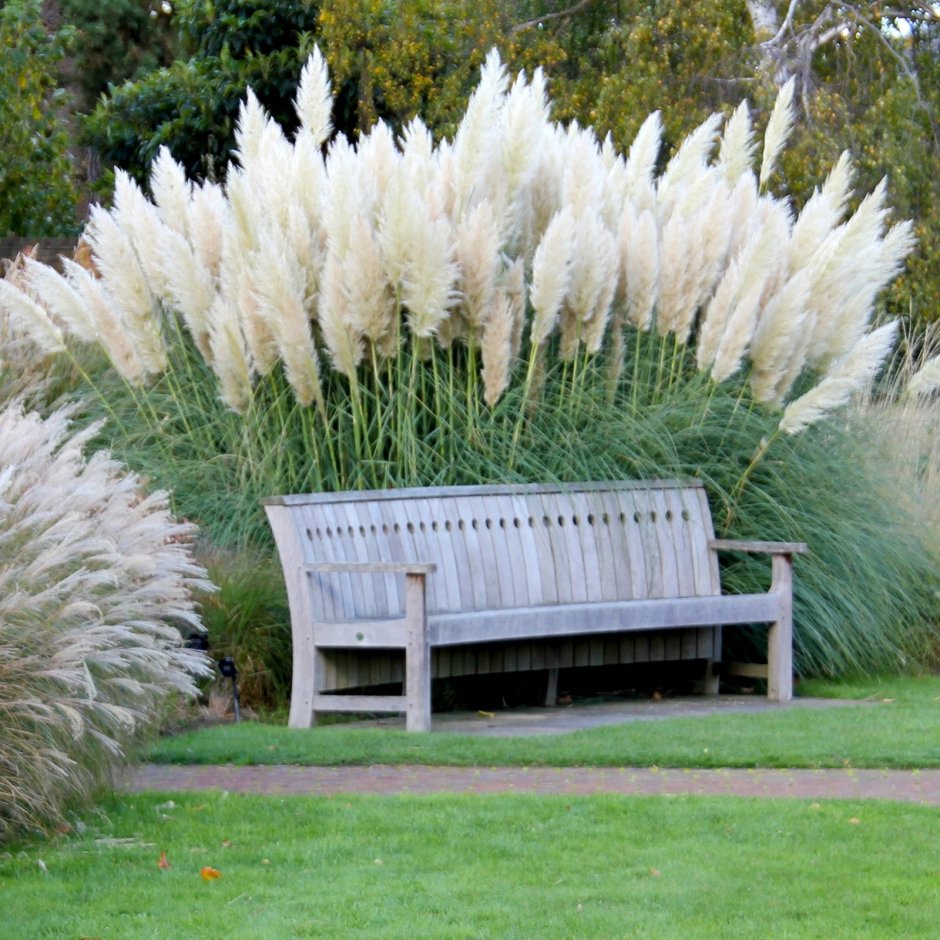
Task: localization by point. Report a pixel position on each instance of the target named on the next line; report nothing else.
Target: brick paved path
(917, 786)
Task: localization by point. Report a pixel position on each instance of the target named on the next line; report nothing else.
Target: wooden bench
(520, 567)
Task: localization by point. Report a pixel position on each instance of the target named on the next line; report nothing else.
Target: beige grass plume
(496, 347)
(551, 275)
(314, 101)
(849, 375)
(779, 128)
(736, 153)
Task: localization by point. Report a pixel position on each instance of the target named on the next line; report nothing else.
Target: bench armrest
(763, 548)
(372, 567)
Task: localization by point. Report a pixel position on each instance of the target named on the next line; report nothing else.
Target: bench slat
(574, 619)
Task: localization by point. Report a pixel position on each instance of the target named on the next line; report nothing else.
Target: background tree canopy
(869, 79)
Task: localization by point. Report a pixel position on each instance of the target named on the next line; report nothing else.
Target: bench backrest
(501, 546)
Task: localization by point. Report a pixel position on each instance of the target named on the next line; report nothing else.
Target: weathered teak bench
(450, 568)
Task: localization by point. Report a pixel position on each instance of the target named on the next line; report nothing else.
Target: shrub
(95, 581)
(520, 302)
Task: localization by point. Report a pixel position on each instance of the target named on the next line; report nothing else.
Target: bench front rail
(414, 570)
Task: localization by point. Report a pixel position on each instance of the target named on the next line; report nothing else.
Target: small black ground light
(228, 670)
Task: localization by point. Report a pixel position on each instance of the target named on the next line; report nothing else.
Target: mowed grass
(896, 723)
(471, 866)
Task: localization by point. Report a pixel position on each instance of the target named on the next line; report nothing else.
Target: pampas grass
(519, 302)
(94, 590)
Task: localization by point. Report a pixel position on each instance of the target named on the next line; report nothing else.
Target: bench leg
(551, 689)
(780, 637)
(417, 656)
(713, 664)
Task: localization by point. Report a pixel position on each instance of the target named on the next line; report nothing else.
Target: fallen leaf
(209, 873)
(42, 866)
(163, 863)
(655, 872)
(226, 844)
(484, 714)
(265, 861)
(378, 861)
(888, 700)
(815, 806)
(855, 820)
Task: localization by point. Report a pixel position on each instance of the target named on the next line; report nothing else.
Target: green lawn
(897, 724)
(467, 867)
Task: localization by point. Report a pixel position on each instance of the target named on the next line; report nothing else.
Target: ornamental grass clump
(519, 302)
(95, 582)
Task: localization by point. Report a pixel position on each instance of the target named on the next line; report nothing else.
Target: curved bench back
(499, 547)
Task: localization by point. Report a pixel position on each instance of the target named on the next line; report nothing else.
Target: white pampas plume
(342, 340)
(675, 262)
(779, 335)
(551, 275)
(171, 191)
(30, 318)
(514, 286)
(687, 164)
(208, 218)
(314, 101)
(249, 129)
(496, 347)
(369, 302)
(821, 214)
(779, 128)
(524, 119)
(428, 288)
(229, 355)
(738, 147)
(641, 162)
(280, 293)
(190, 288)
(926, 380)
(850, 374)
(475, 143)
(123, 276)
(138, 217)
(379, 157)
(60, 299)
(638, 239)
(582, 184)
(108, 324)
(478, 257)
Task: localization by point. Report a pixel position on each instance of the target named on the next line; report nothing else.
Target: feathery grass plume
(314, 100)
(781, 336)
(779, 127)
(842, 271)
(551, 275)
(342, 342)
(822, 212)
(848, 375)
(583, 177)
(593, 265)
(758, 266)
(138, 217)
(109, 325)
(124, 278)
(736, 153)
(714, 223)
(171, 191)
(379, 157)
(96, 582)
(279, 293)
(249, 129)
(189, 288)
(641, 163)
(229, 355)
(512, 283)
(475, 148)
(744, 203)
(545, 190)
(428, 289)
(478, 248)
(208, 218)
(60, 299)
(30, 318)
(638, 239)
(496, 348)
(926, 380)
(688, 165)
(674, 274)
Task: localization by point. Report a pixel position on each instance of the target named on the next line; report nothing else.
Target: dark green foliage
(192, 106)
(36, 190)
(117, 40)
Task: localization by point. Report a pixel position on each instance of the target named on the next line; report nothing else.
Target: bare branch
(559, 14)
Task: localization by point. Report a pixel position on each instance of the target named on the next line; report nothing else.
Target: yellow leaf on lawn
(209, 873)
